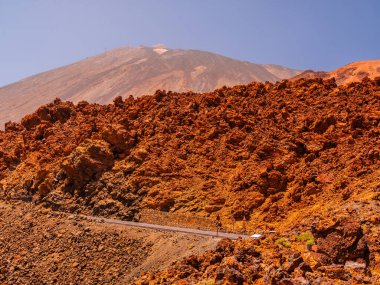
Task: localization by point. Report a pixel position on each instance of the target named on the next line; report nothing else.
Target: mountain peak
(160, 48)
(137, 71)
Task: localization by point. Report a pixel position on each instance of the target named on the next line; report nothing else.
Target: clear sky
(37, 35)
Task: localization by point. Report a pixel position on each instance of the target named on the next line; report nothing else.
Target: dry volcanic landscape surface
(298, 161)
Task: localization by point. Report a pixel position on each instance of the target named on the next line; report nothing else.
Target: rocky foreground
(279, 261)
(38, 246)
(300, 158)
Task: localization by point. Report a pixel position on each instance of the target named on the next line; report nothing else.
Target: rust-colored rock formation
(282, 156)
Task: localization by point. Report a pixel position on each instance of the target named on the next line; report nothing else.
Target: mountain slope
(353, 72)
(282, 71)
(126, 71)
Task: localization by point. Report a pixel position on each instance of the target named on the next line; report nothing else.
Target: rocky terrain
(44, 247)
(293, 157)
(135, 71)
(341, 257)
(353, 72)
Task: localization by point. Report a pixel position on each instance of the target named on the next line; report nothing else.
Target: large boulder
(87, 162)
(340, 240)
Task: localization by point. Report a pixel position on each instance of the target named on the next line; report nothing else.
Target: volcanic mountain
(353, 72)
(135, 71)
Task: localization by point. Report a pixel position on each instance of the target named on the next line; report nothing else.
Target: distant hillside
(353, 72)
(135, 71)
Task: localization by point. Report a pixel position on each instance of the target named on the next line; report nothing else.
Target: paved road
(163, 228)
(167, 228)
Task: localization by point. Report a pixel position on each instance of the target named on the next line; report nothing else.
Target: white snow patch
(160, 50)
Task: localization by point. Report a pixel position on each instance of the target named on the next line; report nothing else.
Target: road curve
(168, 228)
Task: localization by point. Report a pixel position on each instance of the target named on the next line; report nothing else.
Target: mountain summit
(132, 71)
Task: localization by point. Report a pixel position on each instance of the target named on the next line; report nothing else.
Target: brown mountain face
(353, 72)
(135, 71)
(301, 158)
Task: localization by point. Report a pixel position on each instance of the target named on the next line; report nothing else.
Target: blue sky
(37, 35)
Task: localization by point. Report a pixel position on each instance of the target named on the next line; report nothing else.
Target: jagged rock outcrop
(341, 240)
(260, 146)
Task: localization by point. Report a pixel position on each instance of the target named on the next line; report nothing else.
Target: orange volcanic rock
(260, 142)
(281, 155)
(341, 240)
(353, 72)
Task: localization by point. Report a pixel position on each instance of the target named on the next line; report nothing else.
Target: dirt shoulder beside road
(43, 247)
